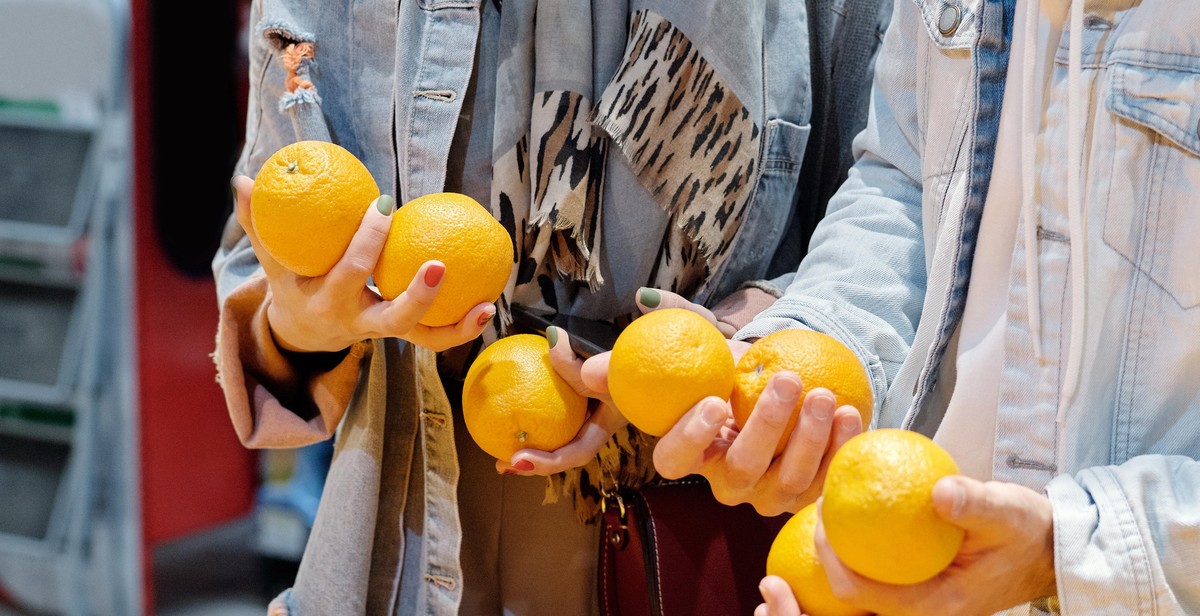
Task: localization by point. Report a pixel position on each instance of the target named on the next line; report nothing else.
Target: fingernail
(486, 316)
(552, 335)
(649, 297)
(712, 414)
(821, 407)
(233, 188)
(787, 389)
(385, 203)
(849, 426)
(524, 466)
(433, 275)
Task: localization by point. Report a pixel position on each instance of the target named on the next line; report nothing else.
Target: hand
(649, 300)
(334, 311)
(740, 465)
(1006, 559)
(600, 425)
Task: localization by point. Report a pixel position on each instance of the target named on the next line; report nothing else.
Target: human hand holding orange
(1006, 558)
(738, 459)
(602, 422)
(330, 312)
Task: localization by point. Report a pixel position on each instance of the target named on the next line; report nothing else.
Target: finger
(594, 372)
(865, 593)
(350, 273)
(564, 360)
(781, 601)
(650, 300)
(992, 510)
(847, 424)
(680, 452)
(807, 444)
(587, 443)
(753, 449)
(396, 317)
(242, 187)
(449, 336)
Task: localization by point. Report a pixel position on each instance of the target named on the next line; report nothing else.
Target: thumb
(649, 300)
(594, 372)
(977, 506)
(242, 187)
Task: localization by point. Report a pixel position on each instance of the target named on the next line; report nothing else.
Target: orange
(464, 236)
(513, 399)
(818, 359)
(308, 200)
(878, 507)
(793, 557)
(665, 362)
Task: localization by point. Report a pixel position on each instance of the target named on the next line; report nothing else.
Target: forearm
(863, 280)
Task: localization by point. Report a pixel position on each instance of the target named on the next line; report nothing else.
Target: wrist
(289, 349)
(1048, 578)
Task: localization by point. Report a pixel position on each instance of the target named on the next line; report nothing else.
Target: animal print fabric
(690, 141)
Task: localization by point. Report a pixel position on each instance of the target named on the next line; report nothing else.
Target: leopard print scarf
(676, 123)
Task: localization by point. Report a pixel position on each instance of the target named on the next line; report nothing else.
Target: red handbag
(670, 549)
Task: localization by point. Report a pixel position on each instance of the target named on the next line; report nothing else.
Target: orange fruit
(308, 200)
(464, 236)
(878, 507)
(793, 557)
(665, 362)
(513, 399)
(818, 359)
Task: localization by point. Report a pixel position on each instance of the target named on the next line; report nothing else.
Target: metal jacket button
(949, 19)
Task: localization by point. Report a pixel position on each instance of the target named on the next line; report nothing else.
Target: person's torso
(1140, 388)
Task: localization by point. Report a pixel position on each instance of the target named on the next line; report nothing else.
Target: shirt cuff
(278, 398)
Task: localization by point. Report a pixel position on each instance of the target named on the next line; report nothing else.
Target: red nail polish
(485, 317)
(524, 466)
(434, 274)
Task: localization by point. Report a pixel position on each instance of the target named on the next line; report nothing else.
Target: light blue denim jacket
(389, 82)
(889, 266)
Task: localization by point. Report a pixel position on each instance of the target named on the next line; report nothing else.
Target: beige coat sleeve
(278, 399)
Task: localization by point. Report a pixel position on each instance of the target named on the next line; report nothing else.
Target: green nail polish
(649, 297)
(552, 335)
(385, 203)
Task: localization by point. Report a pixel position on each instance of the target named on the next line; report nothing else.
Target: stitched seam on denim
(258, 121)
(1062, 342)
(991, 85)
(1121, 105)
(1139, 556)
(421, 77)
(1149, 58)
(1147, 249)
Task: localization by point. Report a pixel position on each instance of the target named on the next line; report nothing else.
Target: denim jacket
(388, 86)
(889, 266)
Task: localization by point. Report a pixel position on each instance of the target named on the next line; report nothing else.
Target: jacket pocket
(1153, 213)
